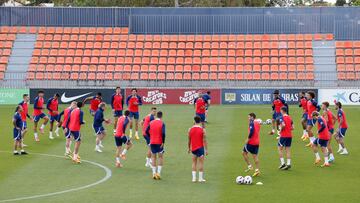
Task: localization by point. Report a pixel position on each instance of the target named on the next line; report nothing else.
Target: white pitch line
(107, 176)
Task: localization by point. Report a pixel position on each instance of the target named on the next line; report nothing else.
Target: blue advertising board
(259, 96)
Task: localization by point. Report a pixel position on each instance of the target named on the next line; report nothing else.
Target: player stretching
(24, 115)
(322, 140)
(198, 147)
(53, 106)
(145, 123)
(252, 144)
(65, 127)
(74, 124)
(156, 132)
(117, 103)
(278, 102)
(303, 105)
(330, 122)
(38, 114)
(94, 102)
(312, 106)
(340, 132)
(133, 102)
(18, 131)
(200, 108)
(98, 126)
(207, 99)
(121, 138)
(286, 128)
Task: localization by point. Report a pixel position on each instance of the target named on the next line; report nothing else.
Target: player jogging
(117, 103)
(24, 115)
(156, 132)
(98, 126)
(133, 102)
(18, 131)
(197, 145)
(52, 106)
(145, 123)
(277, 103)
(64, 124)
(322, 140)
(74, 124)
(330, 122)
(94, 102)
(38, 114)
(303, 105)
(341, 131)
(286, 128)
(252, 144)
(207, 99)
(121, 138)
(200, 108)
(312, 106)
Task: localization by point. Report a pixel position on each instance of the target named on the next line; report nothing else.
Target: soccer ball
(268, 121)
(239, 180)
(248, 180)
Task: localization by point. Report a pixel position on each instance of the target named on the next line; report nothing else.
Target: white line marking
(107, 176)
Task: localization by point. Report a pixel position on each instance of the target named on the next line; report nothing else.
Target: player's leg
(303, 124)
(137, 128)
(77, 139)
(148, 153)
(310, 134)
(116, 118)
(330, 150)
(15, 144)
(153, 165)
(36, 136)
(194, 168)
(201, 160)
(126, 148)
(97, 143)
(316, 152)
(325, 152)
(24, 130)
(257, 165)
(46, 120)
(281, 156)
(342, 132)
(246, 158)
(131, 116)
(103, 135)
(19, 142)
(52, 120)
(117, 157)
(288, 158)
(160, 164)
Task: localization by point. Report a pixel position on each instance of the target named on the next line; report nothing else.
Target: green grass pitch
(31, 175)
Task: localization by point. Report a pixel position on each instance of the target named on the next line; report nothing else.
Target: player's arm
(282, 124)
(126, 123)
(142, 122)
(189, 142)
(127, 100)
(315, 104)
(147, 131)
(112, 101)
(251, 132)
(205, 143)
(87, 99)
(326, 117)
(60, 115)
(82, 117)
(333, 119)
(139, 100)
(14, 123)
(341, 119)
(163, 134)
(323, 126)
(36, 104)
(195, 102)
(292, 125)
(122, 101)
(48, 105)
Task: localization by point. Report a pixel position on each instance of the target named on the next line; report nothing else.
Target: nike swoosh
(65, 99)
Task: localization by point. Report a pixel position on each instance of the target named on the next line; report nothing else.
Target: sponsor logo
(230, 97)
(189, 97)
(65, 99)
(155, 97)
(340, 97)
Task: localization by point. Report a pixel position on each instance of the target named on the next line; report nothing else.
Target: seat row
(64, 30)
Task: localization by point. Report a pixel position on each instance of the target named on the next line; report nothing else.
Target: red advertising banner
(174, 96)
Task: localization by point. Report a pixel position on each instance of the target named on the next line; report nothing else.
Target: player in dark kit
(18, 131)
(52, 106)
(277, 103)
(39, 114)
(303, 105)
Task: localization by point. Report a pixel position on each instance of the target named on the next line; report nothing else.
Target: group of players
(282, 125)
(71, 120)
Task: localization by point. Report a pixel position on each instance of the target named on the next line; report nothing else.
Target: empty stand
(348, 60)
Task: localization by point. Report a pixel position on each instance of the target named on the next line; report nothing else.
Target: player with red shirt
(121, 138)
(133, 102)
(277, 103)
(52, 106)
(200, 108)
(117, 105)
(74, 123)
(343, 126)
(252, 144)
(312, 106)
(94, 102)
(39, 114)
(145, 123)
(286, 128)
(66, 113)
(24, 115)
(156, 132)
(330, 122)
(197, 145)
(322, 140)
(303, 104)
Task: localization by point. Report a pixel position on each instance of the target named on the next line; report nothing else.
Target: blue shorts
(147, 139)
(202, 116)
(99, 130)
(67, 134)
(305, 116)
(311, 122)
(331, 131)
(134, 115)
(276, 115)
(199, 152)
(76, 135)
(156, 148)
(285, 142)
(118, 113)
(37, 118)
(253, 149)
(342, 132)
(54, 118)
(322, 143)
(17, 134)
(119, 141)
(24, 125)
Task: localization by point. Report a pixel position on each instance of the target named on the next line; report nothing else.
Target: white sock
(340, 147)
(159, 169)
(75, 156)
(305, 132)
(57, 130)
(345, 150)
(22, 150)
(35, 135)
(249, 166)
(147, 160)
(193, 175)
(312, 139)
(67, 150)
(15, 151)
(326, 160)
(153, 168)
(282, 161)
(136, 132)
(317, 155)
(331, 155)
(51, 134)
(130, 130)
(42, 126)
(118, 159)
(201, 175)
(124, 152)
(288, 162)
